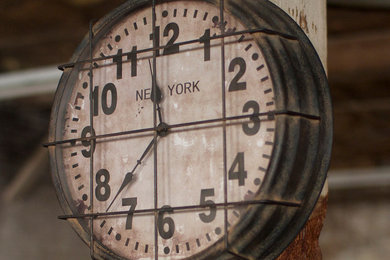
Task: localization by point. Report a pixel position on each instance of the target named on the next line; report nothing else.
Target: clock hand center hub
(162, 129)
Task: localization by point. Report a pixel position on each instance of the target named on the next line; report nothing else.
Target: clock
(191, 130)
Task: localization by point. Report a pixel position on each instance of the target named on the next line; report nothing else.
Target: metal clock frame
(303, 133)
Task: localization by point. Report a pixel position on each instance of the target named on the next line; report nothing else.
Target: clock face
(194, 163)
(167, 138)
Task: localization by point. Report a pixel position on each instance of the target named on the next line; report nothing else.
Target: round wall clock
(191, 130)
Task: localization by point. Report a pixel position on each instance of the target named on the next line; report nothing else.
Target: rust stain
(314, 27)
(303, 21)
(301, 18)
(305, 245)
(81, 207)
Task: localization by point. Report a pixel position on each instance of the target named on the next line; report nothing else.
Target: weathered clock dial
(168, 130)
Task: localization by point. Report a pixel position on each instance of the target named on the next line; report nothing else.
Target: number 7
(132, 202)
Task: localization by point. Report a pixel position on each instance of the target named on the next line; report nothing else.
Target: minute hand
(129, 175)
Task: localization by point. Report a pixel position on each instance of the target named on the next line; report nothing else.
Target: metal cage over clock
(191, 130)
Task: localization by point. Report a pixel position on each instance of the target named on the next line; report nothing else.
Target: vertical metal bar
(225, 191)
(155, 132)
(92, 242)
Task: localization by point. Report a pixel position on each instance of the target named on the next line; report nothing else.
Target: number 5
(213, 210)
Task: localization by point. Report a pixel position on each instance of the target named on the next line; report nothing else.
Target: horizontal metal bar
(187, 208)
(270, 116)
(198, 40)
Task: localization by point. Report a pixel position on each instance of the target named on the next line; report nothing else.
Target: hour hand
(156, 95)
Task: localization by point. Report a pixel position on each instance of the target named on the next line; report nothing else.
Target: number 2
(171, 47)
(234, 84)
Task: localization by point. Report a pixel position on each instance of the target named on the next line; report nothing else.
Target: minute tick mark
(264, 79)
(266, 156)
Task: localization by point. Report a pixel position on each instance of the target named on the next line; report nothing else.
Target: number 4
(241, 174)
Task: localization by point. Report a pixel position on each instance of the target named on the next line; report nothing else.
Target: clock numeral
(171, 47)
(132, 202)
(240, 174)
(254, 129)
(108, 106)
(103, 190)
(163, 222)
(132, 57)
(87, 131)
(213, 210)
(234, 84)
(118, 60)
(205, 39)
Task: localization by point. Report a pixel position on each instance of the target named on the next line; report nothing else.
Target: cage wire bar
(92, 143)
(154, 86)
(269, 116)
(224, 141)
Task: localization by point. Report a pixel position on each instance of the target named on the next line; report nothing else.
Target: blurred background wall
(36, 35)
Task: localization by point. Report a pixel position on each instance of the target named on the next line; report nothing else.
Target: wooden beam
(359, 56)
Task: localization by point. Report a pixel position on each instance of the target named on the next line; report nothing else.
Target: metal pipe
(30, 82)
(354, 179)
